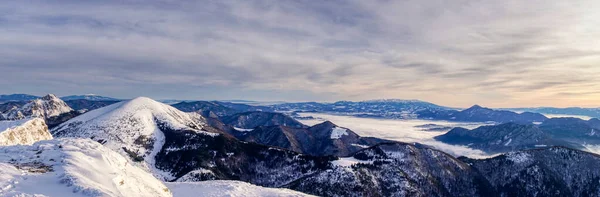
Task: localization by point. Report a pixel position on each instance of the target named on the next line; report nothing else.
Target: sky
(508, 53)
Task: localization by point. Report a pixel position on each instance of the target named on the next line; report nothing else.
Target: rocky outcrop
(23, 132)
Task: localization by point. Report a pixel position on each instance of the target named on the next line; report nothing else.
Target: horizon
(281, 101)
(504, 54)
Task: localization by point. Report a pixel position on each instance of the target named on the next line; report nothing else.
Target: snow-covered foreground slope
(72, 167)
(228, 189)
(132, 128)
(23, 132)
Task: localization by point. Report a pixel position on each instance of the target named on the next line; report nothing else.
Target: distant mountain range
(119, 148)
(568, 132)
(218, 108)
(84, 105)
(89, 97)
(399, 109)
(412, 109)
(481, 114)
(576, 111)
(17, 97)
(27, 97)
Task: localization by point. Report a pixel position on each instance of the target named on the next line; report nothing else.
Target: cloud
(506, 53)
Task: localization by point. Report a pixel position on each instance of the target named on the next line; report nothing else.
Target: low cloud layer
(457, 53)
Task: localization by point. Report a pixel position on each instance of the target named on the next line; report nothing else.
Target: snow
(242, 129)
(191, 176)
(133, 125)
(338, 132)
(72, 167)
(228, 189)
(360, 145)
(45, 107)
(349, 161)
(23, 132)
(400, 130)
(592, 148)
(11, 124)
(518, 157)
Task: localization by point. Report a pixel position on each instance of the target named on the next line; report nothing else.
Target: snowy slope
(72, 167)
(228, 189)
(46, 107)
(132, 128)
(23, 132)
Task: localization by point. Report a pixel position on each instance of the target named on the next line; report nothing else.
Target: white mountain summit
(132, 128)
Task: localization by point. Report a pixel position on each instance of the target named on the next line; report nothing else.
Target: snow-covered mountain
(174, 145)
(23, 132)
(72, 167)
(45, 107)
(133, 128)
(89, 97)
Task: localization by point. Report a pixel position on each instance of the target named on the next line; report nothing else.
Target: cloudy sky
(507, 53)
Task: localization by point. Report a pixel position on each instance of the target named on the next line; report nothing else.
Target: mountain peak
(476, 107)
(327, 124)
(44, 107)
(139, 125)
(49, 97)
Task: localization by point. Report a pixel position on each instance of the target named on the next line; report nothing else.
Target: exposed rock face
(23, 132)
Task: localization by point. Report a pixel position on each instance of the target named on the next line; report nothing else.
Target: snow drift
(72, 167)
